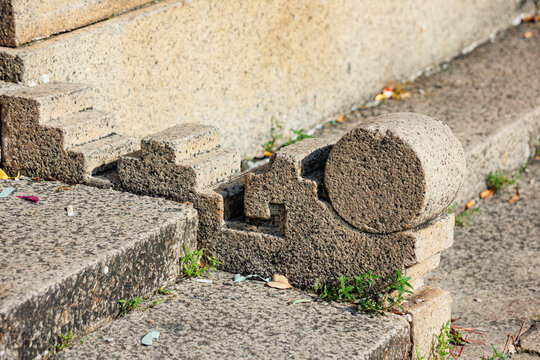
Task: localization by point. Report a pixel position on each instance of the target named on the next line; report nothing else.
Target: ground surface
(492, 270)
(222, 320)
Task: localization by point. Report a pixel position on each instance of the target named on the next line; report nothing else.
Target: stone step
(183, 141)
(248, 320)
(85, 126)
(214, 167)
(102, 154)
(61, 273)
(56, 100)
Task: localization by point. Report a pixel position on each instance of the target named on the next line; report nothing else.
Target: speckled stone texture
(238, 65)
(62, 273)
(485, 97)
(51, 130)
(246, 320)
(394, 172)
(24, 20)
(492, 268)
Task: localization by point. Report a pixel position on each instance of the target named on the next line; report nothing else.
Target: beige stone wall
(236, 64)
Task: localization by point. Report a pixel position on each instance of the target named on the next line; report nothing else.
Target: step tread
(62, 272)
(56, 99)
(184, 141)
(103, 153)
(85, 126)
(214, 166)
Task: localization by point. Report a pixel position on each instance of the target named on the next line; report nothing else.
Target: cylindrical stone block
(394, 172)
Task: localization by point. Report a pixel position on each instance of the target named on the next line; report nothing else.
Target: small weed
(128, 305)
(354, 289)
(466, 218)
(155, 303)
(162, 291)
(418, 356)
(496, 355)
(193, 265)
(447, 339)
(498, 180)
(276, 133)
(64, 341)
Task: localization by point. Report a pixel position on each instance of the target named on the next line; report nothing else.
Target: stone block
(22, 21)
(63, 273)
(84, 126)
(394, 172)
(182, 142)
(429, 309)
(530, 340)
(238, 65)
(418, 271)
(51, 130)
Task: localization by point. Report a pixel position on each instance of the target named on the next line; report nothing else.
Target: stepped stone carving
(52, 130)
(281, 217)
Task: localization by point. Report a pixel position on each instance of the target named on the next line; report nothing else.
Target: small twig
(514, 340)
(520, 331)
(506, 345)
(471, 330)
(474, 341)
(462, 348)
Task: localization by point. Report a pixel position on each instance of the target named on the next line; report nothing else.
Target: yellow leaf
(486, 194)
(267, 153)
(340, 119)
(3, 175)
(470, 204)
(380, 97)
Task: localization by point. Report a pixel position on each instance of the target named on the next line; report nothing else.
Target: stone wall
(238, 64)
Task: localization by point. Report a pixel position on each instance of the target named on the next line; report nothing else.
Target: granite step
(56, 99)
(83, 127)
(183, 141)
(214, 167)
(219, 319)
(61, 273)
(102, 154)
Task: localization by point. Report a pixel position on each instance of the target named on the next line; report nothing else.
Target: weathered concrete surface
(24, 20)
(485, 98)
(62, 273)
(247, 320)
(51, 130)
(235, 65)
(492, 268)
(429, 309)
(394, 172)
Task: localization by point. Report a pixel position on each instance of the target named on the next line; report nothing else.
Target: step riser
(217, 170)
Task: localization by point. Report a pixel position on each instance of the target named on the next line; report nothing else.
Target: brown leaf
(528, 18)
(279, 282)
(514, 198)
(470, 204)
(486, 194)
(528, 34)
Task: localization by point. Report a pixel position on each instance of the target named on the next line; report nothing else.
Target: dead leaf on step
(3, 176)
(486, 194)
(279, 282)
(528, 18)
(528, 34)
(514, 198)
(470, 204)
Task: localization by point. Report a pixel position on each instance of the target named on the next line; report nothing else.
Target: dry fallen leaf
(486, 194)
(380, 97)
(537, 18)
(514, 198)
(279, 282)
(340, 119)
(470, 204)
(528, 18)
(267, 153)
(528, 35)
(405, 95)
